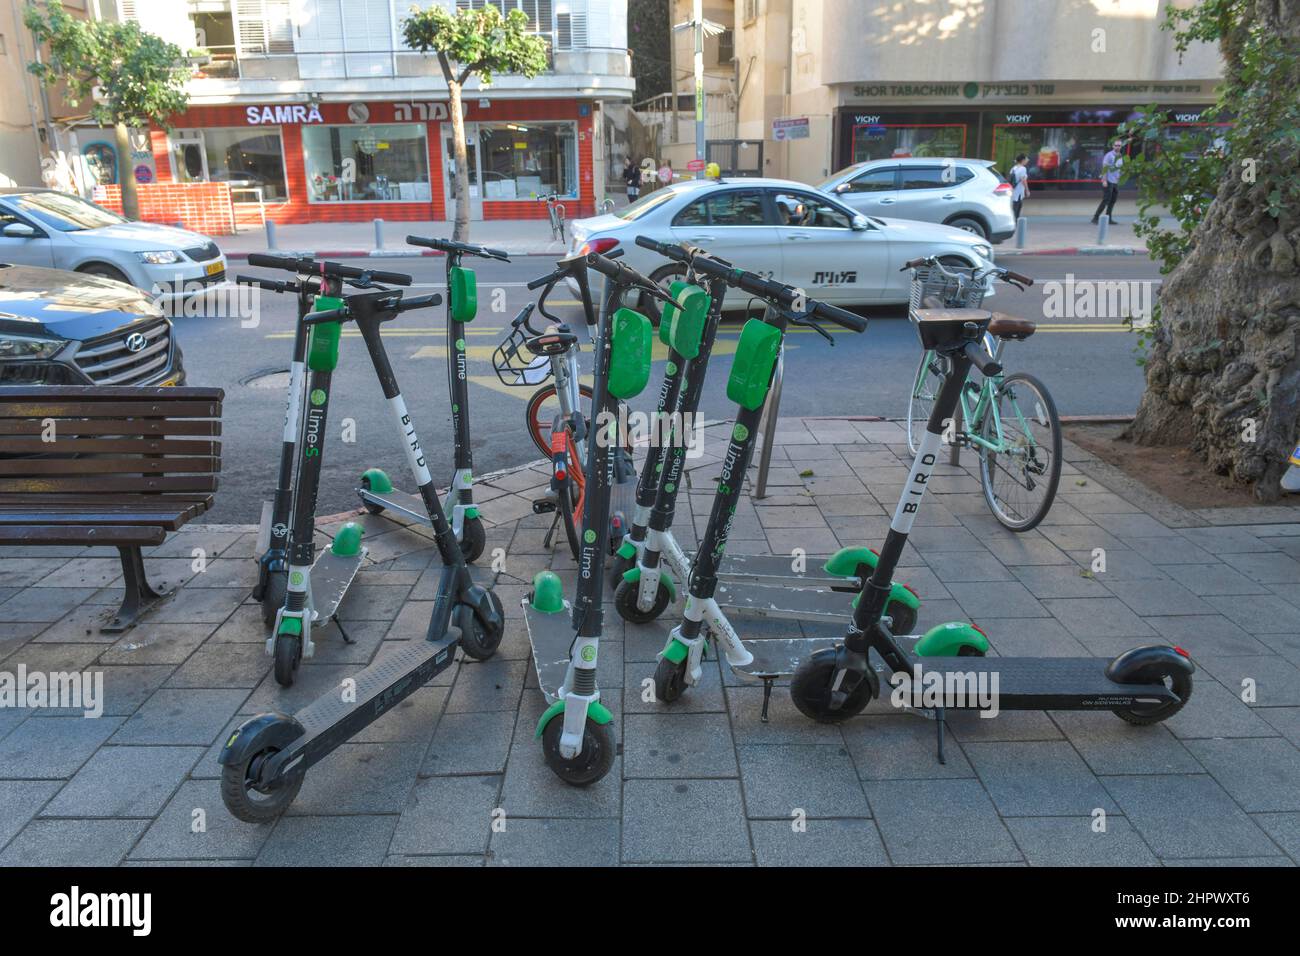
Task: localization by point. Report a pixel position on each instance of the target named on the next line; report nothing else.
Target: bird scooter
(314, 279)
(578, 743)
(263, 762)
(946, 668)
(376, 490)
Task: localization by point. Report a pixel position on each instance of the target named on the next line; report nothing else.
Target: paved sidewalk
(701, 780)
(1046, 235)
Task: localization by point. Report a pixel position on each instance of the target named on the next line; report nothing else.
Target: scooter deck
(551, 636)
(331, 576)
(1040, 683)
(773, 568)
(804, 604)
(403, 502)
(778, 657)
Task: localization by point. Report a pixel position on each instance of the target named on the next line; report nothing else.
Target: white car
(43, 227)
(782, 229)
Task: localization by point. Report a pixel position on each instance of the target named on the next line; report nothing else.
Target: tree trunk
(1222, 375)
(460, 231)
(126, 172)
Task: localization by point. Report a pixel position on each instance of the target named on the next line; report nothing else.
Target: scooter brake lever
(816, 328)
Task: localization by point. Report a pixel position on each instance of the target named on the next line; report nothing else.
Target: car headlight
(163, 257)
(25, 347)
(982, 250)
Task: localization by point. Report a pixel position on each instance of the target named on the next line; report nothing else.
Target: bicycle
(1010, 420)
(555, 214)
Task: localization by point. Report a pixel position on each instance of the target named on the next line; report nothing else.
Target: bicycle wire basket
(932, 289)
(515, 365)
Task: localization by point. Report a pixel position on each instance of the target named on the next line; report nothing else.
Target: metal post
(698, 17)
(379, 233)
(1103, 227)
(1022, 227)
(270, 234)
(770, 415)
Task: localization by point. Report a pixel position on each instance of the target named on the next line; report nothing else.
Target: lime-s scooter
(263, 762)
(376, 489)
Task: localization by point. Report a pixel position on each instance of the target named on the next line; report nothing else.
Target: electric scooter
(314, 279)
(376, 491)
(946, 667)
(577, 741)
(264, 760)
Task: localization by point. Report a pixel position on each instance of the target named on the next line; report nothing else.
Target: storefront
(1065, 141)
(358, 161)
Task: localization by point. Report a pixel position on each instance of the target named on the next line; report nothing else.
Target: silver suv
(969, 194)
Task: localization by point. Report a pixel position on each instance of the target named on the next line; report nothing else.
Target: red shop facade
(363, 160)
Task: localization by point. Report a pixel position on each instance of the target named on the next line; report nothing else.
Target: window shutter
(126, 11)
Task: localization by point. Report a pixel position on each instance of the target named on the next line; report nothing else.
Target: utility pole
(672, 66)
(700, 28)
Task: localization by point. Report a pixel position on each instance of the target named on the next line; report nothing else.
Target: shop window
(896, 141)
(248, 161)
(523, 161)
(383, 163)
(808, 211)
(1065, 156)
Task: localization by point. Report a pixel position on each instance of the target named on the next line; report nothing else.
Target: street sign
(695, 165)
(795, 127)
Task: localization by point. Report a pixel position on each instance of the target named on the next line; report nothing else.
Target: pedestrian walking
(1019, 184)
(1110, 173)
(632, 179)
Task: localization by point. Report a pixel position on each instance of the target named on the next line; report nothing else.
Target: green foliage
(648, 39)
(139, 76)
(481, 42)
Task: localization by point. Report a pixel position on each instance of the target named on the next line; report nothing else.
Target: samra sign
(295, 113)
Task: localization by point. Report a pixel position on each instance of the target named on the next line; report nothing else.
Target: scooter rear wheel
(245, 802)
(277, 585)
(904, 618)
(625, 602)
(288, 652)
(473, 539)
(476, 640)
(593, 762)
(810, 690)
(1180, 684)
(670, 680)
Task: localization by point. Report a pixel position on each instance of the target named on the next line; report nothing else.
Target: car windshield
(63, 212)
(836, 176)
(646, 203)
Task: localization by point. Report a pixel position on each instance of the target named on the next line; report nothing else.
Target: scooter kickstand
(767, 696)
(938, 720)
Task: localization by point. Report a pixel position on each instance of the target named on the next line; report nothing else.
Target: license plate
(213, 268)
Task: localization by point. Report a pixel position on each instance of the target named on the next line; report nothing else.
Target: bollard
(1102, 228)
(379, 233)
(1022, 227)
(270, 234)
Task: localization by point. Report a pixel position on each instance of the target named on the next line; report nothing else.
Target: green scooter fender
(377, 480)
(675, 651)
(595, 711)
(633, 575)
(627, 549)
(947, 640)
(900, 593)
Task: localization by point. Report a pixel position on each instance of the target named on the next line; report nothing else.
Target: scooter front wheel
(277, 585)
(625, 602)
(288, 652)
(247, 803)
(670, 680)
(591, 763)
(476, 639)
(810, 690)
(1180, 684)
(473, 539)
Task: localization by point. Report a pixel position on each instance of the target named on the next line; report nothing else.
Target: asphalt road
(1086, 360)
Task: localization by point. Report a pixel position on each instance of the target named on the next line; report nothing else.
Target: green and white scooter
(577, 740)
(376, 491)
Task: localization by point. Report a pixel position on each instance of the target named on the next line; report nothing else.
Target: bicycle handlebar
(305, 265)
(981, 359)
(934, 263)
(462, 248)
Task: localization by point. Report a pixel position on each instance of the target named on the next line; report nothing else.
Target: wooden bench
(107, 466)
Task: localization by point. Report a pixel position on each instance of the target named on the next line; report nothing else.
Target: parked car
(70, 328)
(967, 194)
(44, 227)
(783, 229)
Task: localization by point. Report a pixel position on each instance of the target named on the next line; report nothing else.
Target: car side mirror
(860, 224)
(843, 187)
(19, 230)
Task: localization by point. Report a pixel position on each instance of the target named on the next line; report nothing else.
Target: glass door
(189, 160)
(475, 172)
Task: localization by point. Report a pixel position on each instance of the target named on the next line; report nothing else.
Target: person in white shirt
(1020, 184)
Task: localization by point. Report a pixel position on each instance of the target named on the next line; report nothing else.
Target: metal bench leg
(139, 597)
(767, 696)
(938, 723)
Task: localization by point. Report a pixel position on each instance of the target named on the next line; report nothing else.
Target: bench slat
(170, 520)
(28, 534)
(39, 393)
(95, 426)
(143, 445)
(45, 485)
(109, 466)
(55, 408)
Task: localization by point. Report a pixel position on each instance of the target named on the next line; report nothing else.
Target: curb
(1073, 251)
(1096, 419)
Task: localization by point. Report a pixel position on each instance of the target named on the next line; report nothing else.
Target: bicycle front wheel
(541, 412)
(927, 381)
(1020, 476)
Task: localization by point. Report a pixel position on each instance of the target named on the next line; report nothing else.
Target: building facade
(827, 83)
(315, 111)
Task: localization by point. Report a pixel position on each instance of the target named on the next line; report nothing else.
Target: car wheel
(967, 224)
(104, 271)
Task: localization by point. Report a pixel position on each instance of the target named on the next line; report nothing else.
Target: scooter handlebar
(464, 248)
(271, 285)
(669, 250)
(305, 265)
(419, 302)
(340, 314)
(841, 317)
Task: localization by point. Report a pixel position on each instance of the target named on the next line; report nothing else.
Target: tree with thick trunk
(130, 77)
(1222, 372)
(472, 43)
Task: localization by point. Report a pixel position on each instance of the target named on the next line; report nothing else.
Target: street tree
(128, 77)
(472, 43)
(1222, 373)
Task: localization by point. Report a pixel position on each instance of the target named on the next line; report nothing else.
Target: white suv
(969, 194)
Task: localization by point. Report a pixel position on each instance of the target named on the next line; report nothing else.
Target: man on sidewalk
(1110, 173)
(1020, 184)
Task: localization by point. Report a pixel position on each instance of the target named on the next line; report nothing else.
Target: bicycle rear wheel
(541, 412)
(1020, 479)
(929, 378)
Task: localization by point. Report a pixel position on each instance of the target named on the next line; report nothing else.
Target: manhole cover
(273, 378)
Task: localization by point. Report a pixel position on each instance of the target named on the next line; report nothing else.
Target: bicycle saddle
(553, 342)
(1009, 327)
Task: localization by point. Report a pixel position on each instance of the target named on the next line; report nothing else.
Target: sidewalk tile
(413, 719)
(1097, 617)
(1037, 778)
(552, 843)
(684, 821)
(1276, 682)
(1270, 567)
(1073, 841)
(1112, 746)
(1158, 597)
(361, 778)
(1261, 773)
(475, 743)
(1284, 828)
(195, 825)
(902, 747)
(181, 717)
(939, 822)
(489, 685)
(1188, 816)
(124, 782)
(50, 748)
(447, 815)
(1059, 581)
(1257, 613)
(783, 779)
(1002, 599)
(68, 843)
(328, 841)
(1218, 578)
(824, 843)
(20, 801)
(678, 745)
